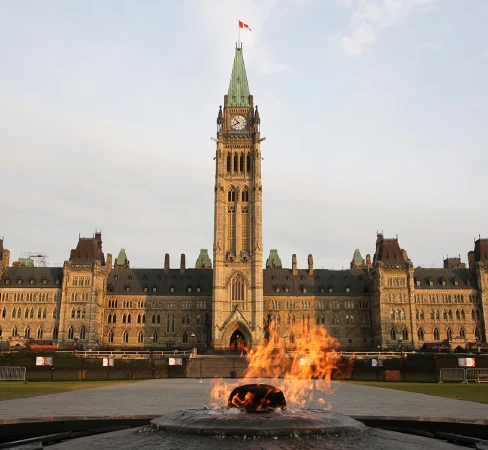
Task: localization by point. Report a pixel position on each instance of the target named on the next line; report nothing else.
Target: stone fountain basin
(236, 422)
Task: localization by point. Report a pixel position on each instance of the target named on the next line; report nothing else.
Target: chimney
(108, 262)
(5, 259)
(310, 264)
(471, 260)
(98, 237)
(294, 269)
(166, 264)
(182, 264)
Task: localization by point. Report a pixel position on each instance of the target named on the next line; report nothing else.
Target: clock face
(238, 123)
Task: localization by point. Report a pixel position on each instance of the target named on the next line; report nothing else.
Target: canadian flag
(244, 25)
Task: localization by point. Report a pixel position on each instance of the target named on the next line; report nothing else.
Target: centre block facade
(384, 302)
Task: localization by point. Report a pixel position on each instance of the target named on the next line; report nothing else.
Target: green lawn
(10, 390)
(473, 392)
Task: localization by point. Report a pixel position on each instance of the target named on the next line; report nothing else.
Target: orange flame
(299, 362)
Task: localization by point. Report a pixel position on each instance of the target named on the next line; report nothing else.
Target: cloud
(370, 17)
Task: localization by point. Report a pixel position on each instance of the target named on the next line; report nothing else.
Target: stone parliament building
(381, 302)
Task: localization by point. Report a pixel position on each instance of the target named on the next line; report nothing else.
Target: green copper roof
(203, 260)
(357, 258)
(26, 262)
(273, 260)
(238, 94)
(122, 258)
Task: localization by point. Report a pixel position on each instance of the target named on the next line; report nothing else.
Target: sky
(374, 112)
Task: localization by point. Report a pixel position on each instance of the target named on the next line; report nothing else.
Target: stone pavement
(155, 397)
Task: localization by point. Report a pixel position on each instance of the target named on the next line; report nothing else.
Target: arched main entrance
(237, 342)
(236, 337)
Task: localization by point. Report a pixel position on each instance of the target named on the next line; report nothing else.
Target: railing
(381, 355)
(452, 375)
(8, 373)
(464, 375)
(145, 354)
(478, 375)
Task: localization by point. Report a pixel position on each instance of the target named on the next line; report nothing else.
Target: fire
(300, 363)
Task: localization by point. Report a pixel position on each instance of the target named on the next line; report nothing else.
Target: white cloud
(371, 16)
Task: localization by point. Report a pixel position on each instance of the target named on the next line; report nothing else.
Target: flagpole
(238, 35)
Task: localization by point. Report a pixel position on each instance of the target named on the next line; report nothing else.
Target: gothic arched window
(405, 334)
(449, 334)
(125, 337)
(231, 195)
(437, 335)
(237, 288)
(70, 333)
(420, 334)
(393, 334)
(82, 333)
(462, 333)
(111, 336)
(55, 332)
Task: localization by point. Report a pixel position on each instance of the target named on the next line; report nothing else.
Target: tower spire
(238, 94)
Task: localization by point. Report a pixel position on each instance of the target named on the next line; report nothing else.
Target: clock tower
(237, 302)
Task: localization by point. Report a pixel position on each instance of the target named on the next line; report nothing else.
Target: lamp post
(192, 340)
(400, 344)
(76, 342)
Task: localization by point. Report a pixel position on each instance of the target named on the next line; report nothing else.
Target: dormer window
(456, 282)
(7, 280)
(278, 289)
(443, 282)
(32, 281)
(172, 289)
(331, 290)
(468, 282)
(287, 289)
(57, 282)
(155, 289)
(304, 290)
(417, 282)
(198, 288)
(20, 280)
(145, 289)
(110, 288)
(273, 278)
(348, 289)
(127, 289)
(44, 281)
(188, 289)
(322, 290)
(116, 277)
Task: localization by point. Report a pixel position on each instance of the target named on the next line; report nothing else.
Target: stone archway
(236, 336)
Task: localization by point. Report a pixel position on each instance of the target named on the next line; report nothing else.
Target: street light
(400, 343)
(192, 340)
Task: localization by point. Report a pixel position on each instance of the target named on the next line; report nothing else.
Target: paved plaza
(155, 397)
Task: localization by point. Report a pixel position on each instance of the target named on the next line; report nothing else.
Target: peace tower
(237, 300)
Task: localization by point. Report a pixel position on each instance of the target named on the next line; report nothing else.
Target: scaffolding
(40, 259)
